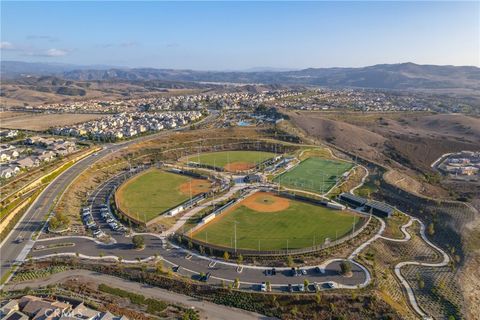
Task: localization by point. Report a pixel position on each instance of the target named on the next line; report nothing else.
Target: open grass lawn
(223, 158)
(301, 224)
(152, 192)
(314, 174)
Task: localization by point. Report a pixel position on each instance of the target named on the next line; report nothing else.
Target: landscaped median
(10, 216)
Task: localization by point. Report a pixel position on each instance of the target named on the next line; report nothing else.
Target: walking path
(207, 309)
(180, 222)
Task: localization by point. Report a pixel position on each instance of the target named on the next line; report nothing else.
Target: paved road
(207, 309)
(33, 219)
(192, 265)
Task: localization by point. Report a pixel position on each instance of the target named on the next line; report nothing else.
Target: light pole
(353, 231)
(235, 234)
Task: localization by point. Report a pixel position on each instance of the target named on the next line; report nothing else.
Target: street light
(235, 234)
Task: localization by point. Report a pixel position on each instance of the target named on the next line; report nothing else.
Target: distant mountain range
(382, 76)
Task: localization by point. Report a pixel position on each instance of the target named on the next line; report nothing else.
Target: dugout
(352, 200)
(379, 209)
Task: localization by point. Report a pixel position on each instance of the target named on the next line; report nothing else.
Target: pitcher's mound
(266, 202)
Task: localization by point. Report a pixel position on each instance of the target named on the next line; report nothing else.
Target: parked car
(263, 287)
(205, 277)
(293, 272)
(301, 287)
(304, 271)
(290, 287)
(331, 285)
(274, 271)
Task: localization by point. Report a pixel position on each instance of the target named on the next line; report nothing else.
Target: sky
(241, 35)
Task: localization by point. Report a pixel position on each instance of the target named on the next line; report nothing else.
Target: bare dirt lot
(41, 122)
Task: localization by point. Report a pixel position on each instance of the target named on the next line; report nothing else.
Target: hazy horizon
(249, 69)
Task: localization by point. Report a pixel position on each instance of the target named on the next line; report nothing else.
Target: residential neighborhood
(38, 308)
(354, 99)
(32, 152)
(127, 125)
(464, 163)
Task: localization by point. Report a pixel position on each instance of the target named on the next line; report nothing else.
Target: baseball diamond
(265, 221)
(238, 160)
(154, 191)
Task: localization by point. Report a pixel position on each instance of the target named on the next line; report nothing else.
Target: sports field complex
(238, 160)
(154, 191)
(265, 221)
(314, 174)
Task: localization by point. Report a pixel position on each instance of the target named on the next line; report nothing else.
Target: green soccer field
(314, 174)
(301, 225)
(222, 158)
(152, 192)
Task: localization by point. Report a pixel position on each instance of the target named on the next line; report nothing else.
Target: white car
(301, 287)
(263, 287)
(331, 285)
(110, 220)
(19, 239)
(92, 225)
(98, 233)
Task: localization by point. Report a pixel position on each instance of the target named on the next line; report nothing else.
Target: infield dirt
(195, 186)
(266, 202)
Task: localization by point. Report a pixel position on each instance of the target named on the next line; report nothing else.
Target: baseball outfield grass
(268, 222)
(232, 160)
(154, 191)
(314, 174)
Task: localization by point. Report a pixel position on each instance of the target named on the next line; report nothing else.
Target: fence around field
(181, 206)
(185, 238)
